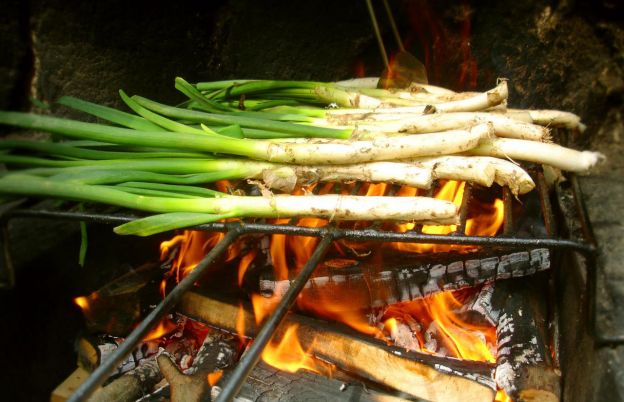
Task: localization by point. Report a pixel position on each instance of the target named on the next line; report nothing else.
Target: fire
(501, 396)
(214, 377)
(287, 354)
(287, 254)
(82, 302)
(461, 338)
(163, 328)
(244, 264)
(485, 222)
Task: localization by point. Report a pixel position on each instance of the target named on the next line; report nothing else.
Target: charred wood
(365, 285)
(524, 368)
(116, 307)
(419, 375)
(132, 385)
(266, 383)
(216, 353)
(92, 350)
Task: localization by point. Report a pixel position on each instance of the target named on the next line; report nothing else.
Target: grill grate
(327, 235)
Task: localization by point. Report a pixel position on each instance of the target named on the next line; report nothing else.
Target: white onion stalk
(417, 209)
(356, 83)
(428, 88)
(539, 152)
(480, 101)
(383, 148)
(482, 170)
(504, 126)
(550, 118)
(287, 176)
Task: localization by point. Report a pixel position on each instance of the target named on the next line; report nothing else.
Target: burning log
(216, 353)
(267, 383)
(364, 286)
(132, 385)
(116, 307)
(420, 375)
(523, 363)
(92, 350)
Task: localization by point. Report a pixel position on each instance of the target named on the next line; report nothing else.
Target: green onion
(110, 114)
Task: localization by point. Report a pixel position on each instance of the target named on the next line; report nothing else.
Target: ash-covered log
(523, 366)
(266, 383)
(94, 349)
(366, 284)
(423, 376)
(216, 353)
(132, 385)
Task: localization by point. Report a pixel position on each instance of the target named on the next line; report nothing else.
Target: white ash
(186, 361)
(506, 322)
(504, 340)
(505, 377)
(402, 336)
(482, 304)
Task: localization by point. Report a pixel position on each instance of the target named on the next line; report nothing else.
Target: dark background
(558, 54)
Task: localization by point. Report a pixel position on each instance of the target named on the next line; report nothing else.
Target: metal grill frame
(327, 235)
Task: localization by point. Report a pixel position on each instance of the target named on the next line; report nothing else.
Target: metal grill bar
(463, 209)
(105, 369)
(508, 224)
(592, 275)
(251, 358)
(327, 235)
(351, 234)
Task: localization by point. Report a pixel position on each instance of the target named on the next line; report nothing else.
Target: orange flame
(244, 264)
(163, 328)
(461, 338)
(501, 396)
(486, 221)
(214, 377)
(287, 354)
(240, 322)
(83, 302)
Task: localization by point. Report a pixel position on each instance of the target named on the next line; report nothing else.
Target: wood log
(364, 285)
(116, 307)
(132, 385)
(266, 383)
(67, 388)
(424, 376)
(216, 353)
(524, 368)
(93, 349)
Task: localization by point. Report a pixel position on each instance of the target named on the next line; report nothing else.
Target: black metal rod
(508, 224)
(104, 370)
(352, 234)
(544, 197)
(588, 231)
(463, 209)
(592, 270)
(382, 48)
(251, 358)
(393, 25)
